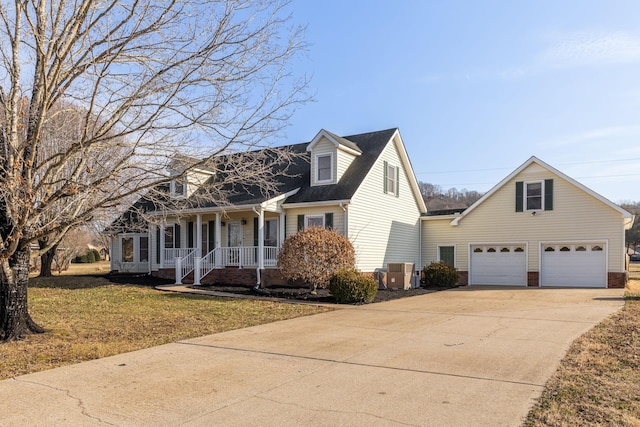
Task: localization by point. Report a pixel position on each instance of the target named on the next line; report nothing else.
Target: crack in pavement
(79, 404)
(335, 411)
(365, 365)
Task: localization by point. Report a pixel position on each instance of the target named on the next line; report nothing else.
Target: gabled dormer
(186, 182)
(330, 155)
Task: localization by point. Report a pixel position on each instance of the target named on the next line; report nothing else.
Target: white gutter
(311, 204)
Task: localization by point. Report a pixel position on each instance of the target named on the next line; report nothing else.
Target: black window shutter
(158, 245)
(190, 238)
(397, 181)
(519, 196)
(177, 236)
(385, 177)
(328, 220)
(255, 232)
(300, 222)
(548, 194)
(211, 231)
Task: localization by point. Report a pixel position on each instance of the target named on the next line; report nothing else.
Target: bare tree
(73, 244)
(150, 82)
(437, 199)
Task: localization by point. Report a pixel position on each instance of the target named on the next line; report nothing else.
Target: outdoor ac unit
(399, 275)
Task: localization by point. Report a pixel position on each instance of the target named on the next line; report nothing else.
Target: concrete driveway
(470, 356)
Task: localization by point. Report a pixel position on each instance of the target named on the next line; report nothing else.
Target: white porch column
(281, 229)
(261, 239)
(178, 266)
(199, 236)
(218, 237)
(162, 225)
(184, 229)
(197, 262)
(197, 270)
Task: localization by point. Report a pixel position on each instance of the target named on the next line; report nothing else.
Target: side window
(127, 249)
(534, 196)
(391, 179)
(143, 252)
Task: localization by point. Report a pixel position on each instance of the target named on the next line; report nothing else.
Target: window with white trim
(391, 179)
(271, 232)
(313, 221)
(179, 187)
(143, 250)
(169, 236)
(127, 249)
(324, 167)
(533, 196)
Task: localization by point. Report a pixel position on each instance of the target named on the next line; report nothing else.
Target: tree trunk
(15, 321)
(46, 259)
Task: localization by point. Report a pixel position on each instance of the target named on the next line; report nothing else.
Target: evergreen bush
(439, 274)
(351, 286)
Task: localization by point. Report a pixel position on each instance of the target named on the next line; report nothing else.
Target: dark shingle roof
(371, 144)
(298, 175)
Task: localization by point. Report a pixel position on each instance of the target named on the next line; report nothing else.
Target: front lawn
(598, 381)
(89, 317)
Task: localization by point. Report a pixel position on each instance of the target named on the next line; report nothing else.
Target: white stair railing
(184, 265)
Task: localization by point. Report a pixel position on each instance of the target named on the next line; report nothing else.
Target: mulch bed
(304, 294)
(285, 292)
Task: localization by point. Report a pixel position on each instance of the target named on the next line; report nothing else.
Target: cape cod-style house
(537, 227)
(362, 186)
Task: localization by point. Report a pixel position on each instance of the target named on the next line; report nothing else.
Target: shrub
(96, 255)
(90, 257)
(439, 274)
(351, 286)
(314, 255)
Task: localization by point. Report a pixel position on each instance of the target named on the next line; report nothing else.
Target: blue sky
(478, 87)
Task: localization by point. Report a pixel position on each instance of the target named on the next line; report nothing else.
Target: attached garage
(573, 264)
(498, 264)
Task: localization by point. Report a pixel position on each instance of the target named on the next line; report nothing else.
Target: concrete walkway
(468, 356)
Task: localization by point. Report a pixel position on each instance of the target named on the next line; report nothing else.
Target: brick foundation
(463, 278)
(617, 280)
(165, 273)
(533, 279)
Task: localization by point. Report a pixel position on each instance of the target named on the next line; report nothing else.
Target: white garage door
(574, 264)
(498, 265)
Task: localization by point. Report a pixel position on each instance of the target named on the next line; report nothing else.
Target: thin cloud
(578, 49)
(608, 134)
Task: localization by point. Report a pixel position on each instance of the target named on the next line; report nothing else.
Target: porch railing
(170, 255)
(184, 259)
(185, 265)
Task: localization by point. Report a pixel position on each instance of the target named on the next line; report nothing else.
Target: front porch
(185, 262)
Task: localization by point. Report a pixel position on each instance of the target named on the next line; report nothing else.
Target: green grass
(88, 317)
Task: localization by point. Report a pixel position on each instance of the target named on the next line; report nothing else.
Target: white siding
(344, 160)
(382, 227)
(292, 217)
(576, 216)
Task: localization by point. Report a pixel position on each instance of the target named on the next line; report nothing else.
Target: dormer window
(324, 168)
(178, 187)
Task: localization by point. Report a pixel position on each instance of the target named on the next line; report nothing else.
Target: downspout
(346, 218)
(420, 252)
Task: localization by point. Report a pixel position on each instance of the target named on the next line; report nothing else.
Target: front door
(234, 242)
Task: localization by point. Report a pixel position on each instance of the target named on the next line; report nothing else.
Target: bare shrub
(314, 255)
